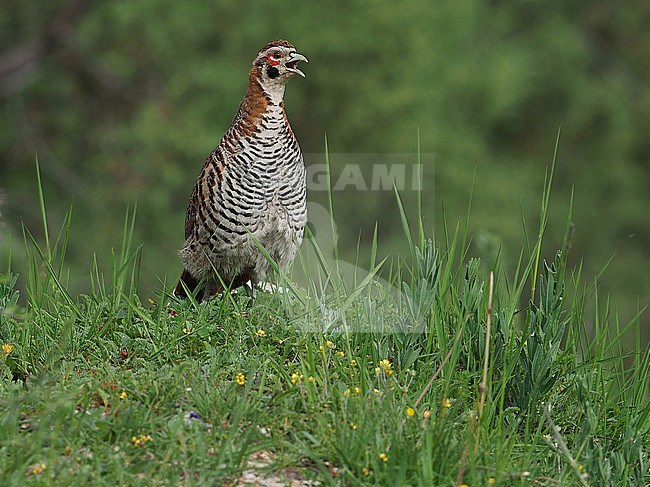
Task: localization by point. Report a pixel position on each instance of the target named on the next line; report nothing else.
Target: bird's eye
(277, 55)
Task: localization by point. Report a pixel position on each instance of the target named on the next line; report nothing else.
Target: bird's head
(276, 63)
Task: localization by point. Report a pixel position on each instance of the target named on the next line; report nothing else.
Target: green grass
(346, 379)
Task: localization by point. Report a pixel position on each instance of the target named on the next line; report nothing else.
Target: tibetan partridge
(252, 188)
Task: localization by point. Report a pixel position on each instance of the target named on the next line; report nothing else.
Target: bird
(252, 189)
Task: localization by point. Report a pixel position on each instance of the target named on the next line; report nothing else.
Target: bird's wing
(205, 189)
(192, 209)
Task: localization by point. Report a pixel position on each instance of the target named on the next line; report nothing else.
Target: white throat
(275, 92)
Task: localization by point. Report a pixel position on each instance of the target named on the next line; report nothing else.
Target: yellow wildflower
(410, 412)
(240, 378)
(140, 440)
(426, 414)
(492, 481)
(261, 333)
(365, 471)
(36, 469)
(7, 348)
(386, 366)
(383, 457)
(446, 403)
(296, 378)
(186, 331)
(353, 425)
(123, 395)
(340, 354)
(330, 344)
(353, 363)
(357, 391)
(346, 393)
(311, 378)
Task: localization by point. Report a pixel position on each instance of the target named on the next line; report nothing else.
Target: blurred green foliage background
(122, 101)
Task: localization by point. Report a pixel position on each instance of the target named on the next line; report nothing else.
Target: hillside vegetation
(443, 373)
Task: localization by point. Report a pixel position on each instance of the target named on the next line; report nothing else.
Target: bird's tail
(190, 283)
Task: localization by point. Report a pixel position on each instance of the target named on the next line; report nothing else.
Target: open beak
(292, 61)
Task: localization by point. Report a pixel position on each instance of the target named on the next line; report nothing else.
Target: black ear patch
(273, 72)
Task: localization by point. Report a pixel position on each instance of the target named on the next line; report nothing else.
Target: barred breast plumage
(252, 187)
